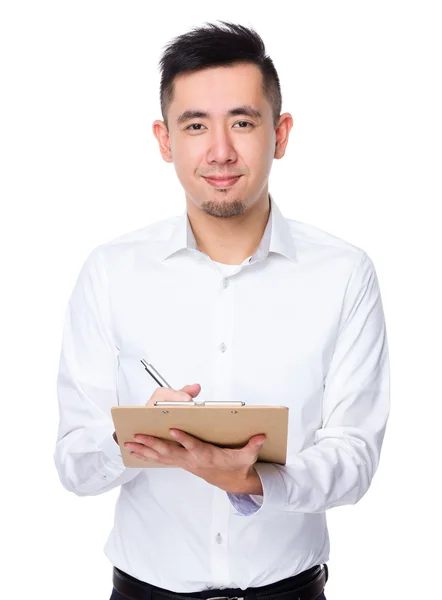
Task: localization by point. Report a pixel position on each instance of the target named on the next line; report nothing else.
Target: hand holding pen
(183, 396)
(165, 392)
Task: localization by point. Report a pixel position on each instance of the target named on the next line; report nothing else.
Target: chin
(223, 209)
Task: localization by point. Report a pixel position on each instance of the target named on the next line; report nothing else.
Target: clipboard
(224, 424)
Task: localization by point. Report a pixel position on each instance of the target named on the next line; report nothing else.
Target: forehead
(216, 89)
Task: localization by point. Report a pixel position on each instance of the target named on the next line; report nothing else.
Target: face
(221, 126)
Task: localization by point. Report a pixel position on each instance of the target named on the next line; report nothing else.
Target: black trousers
(117, 596)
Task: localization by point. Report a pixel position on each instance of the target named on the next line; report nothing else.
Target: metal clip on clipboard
(202, 403)
(163, 383)
(227, 424)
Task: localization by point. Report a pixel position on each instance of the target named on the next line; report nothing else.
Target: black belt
(307, 585)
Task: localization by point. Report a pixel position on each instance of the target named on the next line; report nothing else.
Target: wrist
(255, 485)
(251, 484)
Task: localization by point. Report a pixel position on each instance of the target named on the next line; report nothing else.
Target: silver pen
(154, 374)
(163, 383)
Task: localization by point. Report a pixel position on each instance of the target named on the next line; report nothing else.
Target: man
(252, 306)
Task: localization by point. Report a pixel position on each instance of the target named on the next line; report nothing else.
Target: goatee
(223, 210)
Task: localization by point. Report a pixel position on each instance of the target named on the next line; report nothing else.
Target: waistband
(307, 585)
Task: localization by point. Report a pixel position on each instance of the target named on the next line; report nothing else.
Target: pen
(163, 383)
(154, 374)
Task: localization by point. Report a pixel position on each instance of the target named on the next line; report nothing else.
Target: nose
(221, 149)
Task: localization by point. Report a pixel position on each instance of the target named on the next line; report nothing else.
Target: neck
(230, 240)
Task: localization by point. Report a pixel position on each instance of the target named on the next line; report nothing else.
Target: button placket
(223, 343)
(219, 536)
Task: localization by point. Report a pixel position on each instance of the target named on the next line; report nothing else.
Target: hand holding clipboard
(228, 425)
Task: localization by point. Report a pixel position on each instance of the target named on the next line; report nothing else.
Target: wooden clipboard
(225, 426)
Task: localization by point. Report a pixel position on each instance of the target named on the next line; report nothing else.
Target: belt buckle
(226, 598)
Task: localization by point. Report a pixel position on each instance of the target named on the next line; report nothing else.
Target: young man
(252, 306)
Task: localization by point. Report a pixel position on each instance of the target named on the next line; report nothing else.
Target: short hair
(213, 45)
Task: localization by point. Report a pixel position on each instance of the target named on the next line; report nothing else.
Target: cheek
(258, 160)
(187, 159)
(256, 151)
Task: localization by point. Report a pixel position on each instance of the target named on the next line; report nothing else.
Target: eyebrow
(245, 110)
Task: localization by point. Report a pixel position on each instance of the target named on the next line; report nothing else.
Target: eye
(195, 125)
(198, 125)
(246, 123)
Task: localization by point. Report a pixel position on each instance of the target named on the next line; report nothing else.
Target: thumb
(193, 389)
(256, 442)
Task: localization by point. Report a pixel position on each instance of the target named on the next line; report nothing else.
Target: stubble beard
(223, 209)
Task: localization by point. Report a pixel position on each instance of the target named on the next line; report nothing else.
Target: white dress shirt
(300, 324)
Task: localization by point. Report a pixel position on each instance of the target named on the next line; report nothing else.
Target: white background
(80, 166)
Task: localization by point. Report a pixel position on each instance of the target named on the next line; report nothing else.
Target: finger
(160, 450)
(168, 394)
(171, 395)
(193, 390)
(147, 454)
(188, 441)
(137, 446)
(254, 445)
(258, 440)
(162, 447)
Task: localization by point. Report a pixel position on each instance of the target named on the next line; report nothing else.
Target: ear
(285, 124)
(160, 132)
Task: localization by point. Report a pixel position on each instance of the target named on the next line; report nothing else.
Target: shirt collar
(277, 237)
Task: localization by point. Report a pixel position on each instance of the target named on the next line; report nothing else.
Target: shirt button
(226, 282)
(219, 539)
(223, 347)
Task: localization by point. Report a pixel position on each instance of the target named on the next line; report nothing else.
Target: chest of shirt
(264, 335)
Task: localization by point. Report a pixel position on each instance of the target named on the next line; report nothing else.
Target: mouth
(222, 183)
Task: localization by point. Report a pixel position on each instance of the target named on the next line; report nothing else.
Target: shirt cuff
(243, 504)
(275, 493)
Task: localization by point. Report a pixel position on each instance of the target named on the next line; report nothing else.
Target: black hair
(210, 46)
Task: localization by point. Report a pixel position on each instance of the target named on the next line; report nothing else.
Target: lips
(222, 183)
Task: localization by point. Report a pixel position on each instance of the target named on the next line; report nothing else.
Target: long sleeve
(338, 468)
(87, 458)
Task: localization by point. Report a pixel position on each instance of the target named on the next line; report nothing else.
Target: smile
(222, 183)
